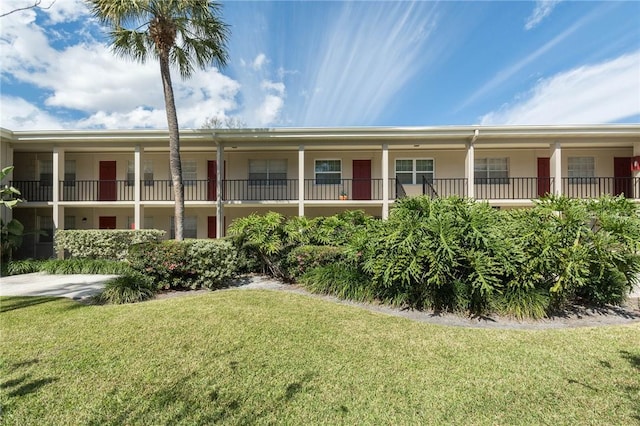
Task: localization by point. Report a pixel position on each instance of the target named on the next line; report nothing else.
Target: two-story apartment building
(120, 179)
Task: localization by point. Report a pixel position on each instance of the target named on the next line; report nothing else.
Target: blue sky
(316, 64)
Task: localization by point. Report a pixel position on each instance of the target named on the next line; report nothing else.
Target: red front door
(212, 226)
(107, 184)
(107, 222)
(361, 180)
(544, 176)
(622, 176)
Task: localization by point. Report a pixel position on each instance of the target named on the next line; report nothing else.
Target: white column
(6, 160)
(220, 190)
(137, 206)
(636, 172)
(556, 168)
(385, 181)
(58, 175)
(301, 180)
(469, 169)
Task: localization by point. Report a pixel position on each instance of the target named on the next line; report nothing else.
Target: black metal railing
(343, 189)
(400, 191)
(33, 190)
(594, 187)
(162, 190)
(444, 187)
(260, 189)
(96, 190)
(514, 188)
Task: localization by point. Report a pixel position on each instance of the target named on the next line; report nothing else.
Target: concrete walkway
(75, 287)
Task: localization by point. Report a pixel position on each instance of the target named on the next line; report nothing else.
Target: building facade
(121, 180)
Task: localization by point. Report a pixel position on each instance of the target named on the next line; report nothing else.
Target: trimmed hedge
(111, 244)
(185, 264)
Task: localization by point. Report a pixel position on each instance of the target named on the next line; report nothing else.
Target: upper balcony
(356, 190)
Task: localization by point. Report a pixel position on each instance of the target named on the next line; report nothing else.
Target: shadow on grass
(12, 303)
(633, 391)
(183, 402)
(24, 385)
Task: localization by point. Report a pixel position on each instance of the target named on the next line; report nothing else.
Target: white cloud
(269, 110)
(276, 87)
(506, 74)
(18, 114)
(259, 61)
(600, 93)
(112, 91)
(542, 10)
(362, 59)
(65, 10)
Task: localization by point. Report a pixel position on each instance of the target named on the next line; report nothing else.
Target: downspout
(470, 164)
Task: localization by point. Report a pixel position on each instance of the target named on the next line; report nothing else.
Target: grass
(260, 357)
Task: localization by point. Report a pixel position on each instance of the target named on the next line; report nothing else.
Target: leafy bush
(444, 253)
(101, 243)
(68, 266)
(262, 238)
(339, 279)
(270, 238)
(130, 288)
(301, 259)
(27, 266)
(85, 266)
(185, 264)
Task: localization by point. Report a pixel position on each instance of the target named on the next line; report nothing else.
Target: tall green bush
(185, 264)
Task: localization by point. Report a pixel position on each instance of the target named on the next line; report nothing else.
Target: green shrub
(339, 279)
(165, 262)
(301, 259)
(130, 288)
(447, 254)
(103, 244)
(213, 260)
(27, 266)
(185, 264)
(84, 266)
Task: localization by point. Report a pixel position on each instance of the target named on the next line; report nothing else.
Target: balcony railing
(260, 189)
(34, 190)
(96, 190)
(516, 188)
(594, 187)
(162, 190)
(444, 187)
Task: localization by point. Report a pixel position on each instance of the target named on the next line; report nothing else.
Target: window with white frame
(45, 169)
(147, 172)
(45, 226)
(190, 229)
(581, 169)
(268, 172)
(69, 172)
(328, 172)
(189, 172)
(491, 170)
(414, 171)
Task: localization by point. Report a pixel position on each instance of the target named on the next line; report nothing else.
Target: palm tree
(176, 32)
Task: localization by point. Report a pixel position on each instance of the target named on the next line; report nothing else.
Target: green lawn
(260, 357)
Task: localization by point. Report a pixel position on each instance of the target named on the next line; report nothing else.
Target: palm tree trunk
(175, 164)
